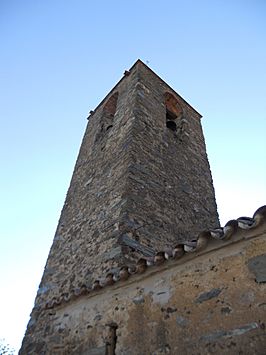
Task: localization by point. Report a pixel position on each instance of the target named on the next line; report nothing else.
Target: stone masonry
(141, 182)
(210, 301)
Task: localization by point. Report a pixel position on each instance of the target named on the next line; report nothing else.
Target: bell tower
(141, 182)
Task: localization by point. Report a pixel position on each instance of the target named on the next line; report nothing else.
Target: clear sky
(60, 58)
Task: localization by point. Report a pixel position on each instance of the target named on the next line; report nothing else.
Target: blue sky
(60, 58)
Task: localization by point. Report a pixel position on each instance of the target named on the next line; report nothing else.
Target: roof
(234, 230)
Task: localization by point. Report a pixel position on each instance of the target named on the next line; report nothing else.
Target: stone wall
(137, 187)
(205, 303)
(169, 191)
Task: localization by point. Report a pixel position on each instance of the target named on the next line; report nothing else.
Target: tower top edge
(139, 62)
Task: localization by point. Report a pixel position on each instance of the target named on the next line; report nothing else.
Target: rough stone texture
(158, 312)
(137, 187)
(208, 295)
(258, 266)
(170, 195)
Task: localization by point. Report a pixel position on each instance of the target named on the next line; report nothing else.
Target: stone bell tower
(141, 182)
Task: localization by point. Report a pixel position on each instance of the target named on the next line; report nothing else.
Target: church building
(139, 262)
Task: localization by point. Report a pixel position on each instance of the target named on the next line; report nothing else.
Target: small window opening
(170, 116)
(171, 125)
(109, 127)
(112, 339)
(110, 106)
(173, 113)
(109, 111)
(107, 119)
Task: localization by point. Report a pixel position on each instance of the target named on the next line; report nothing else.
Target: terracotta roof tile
(231, 228)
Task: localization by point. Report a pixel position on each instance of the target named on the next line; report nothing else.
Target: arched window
(107, 118)
(109, 110)
(174, 112)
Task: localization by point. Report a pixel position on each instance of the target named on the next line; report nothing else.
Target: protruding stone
(257, 266)
(205, 296)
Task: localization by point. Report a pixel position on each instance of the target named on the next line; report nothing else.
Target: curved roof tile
(176, 252)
